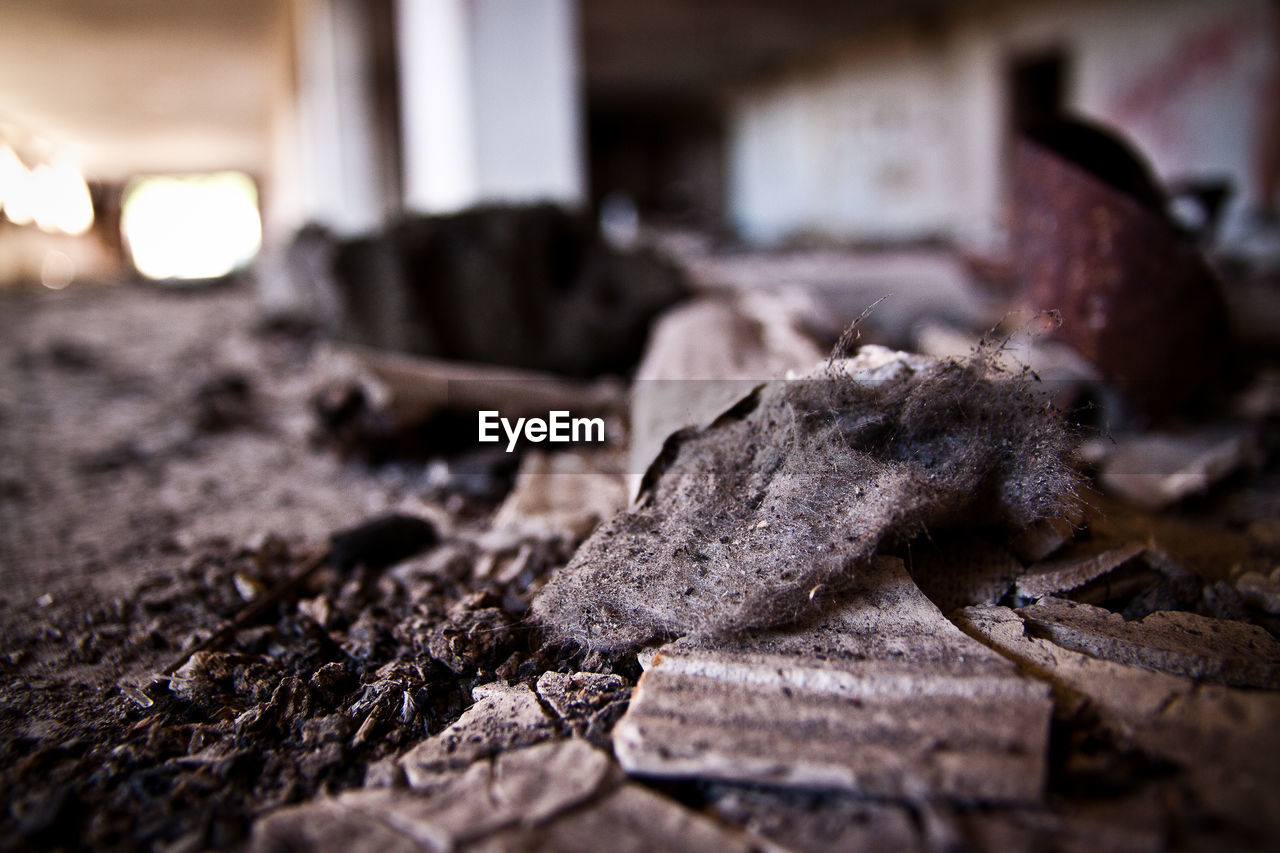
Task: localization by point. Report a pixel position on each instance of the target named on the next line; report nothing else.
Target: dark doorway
(1037, 88)
(665, 155)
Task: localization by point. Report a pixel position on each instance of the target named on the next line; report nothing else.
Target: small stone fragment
(1197, 647)
(502, 718)
(588, 702)
(381, 542)
(1072, 571)
(476, 635)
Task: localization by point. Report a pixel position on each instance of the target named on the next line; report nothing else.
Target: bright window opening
(54, 197)
(192, 227)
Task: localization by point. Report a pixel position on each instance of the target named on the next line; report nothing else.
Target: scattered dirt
(159, 471)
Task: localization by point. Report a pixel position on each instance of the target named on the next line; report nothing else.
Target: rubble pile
(525, 286)
(801, 482)
(889, 603)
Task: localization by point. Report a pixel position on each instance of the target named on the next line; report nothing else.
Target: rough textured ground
(799, 484)
(158, 469)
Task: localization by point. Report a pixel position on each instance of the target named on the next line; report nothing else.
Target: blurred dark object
(223, 402)
(356, 427)
(348, 421)
(1093, 239)
(533, 287)
(381, 542)
(409, 408)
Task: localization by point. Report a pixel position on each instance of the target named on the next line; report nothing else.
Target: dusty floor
(158, 468)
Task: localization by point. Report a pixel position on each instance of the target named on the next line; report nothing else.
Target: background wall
(902, 133)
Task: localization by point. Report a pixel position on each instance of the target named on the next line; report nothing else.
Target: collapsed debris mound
(524, 286)
(754, 521)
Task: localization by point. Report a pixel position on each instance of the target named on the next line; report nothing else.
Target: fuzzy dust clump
(792, 490)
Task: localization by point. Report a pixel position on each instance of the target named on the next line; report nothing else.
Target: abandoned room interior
(753, 425)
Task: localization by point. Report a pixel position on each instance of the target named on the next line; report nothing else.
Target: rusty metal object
(1092, 241)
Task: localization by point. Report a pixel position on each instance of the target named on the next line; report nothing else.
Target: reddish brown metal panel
(1136, 297)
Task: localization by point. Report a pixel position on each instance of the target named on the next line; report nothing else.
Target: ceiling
(135, 86)
(665, 48)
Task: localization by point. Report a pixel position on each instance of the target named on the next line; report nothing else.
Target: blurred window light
(60, 199)
(15, 188)
(54, 197)
(192, 227)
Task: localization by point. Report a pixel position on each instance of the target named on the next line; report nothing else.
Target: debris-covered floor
(1099, 681)
(159, 472)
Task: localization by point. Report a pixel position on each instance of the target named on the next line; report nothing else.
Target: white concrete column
(491, 102)
(528, 103)
(337, 146)
(433, 39)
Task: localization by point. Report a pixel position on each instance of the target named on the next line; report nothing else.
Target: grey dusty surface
(1216, 651)
(882, 696)
(1224, 739)
(1094, 681)
(110, 465)
(798, 484)
(565, 795)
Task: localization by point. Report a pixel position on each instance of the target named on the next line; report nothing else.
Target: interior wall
(901, 135)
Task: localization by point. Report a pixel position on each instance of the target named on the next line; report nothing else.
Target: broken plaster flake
(563, 495)
(1222, 733)
(1122, 691)
(630, 819)
(502, 717)
(331, 825)
(522, 789)
(1156, 470)
(703, 357)
(1198, 647)
(579, 694)
(834, 464)
(1072, 571)
(883, 697)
